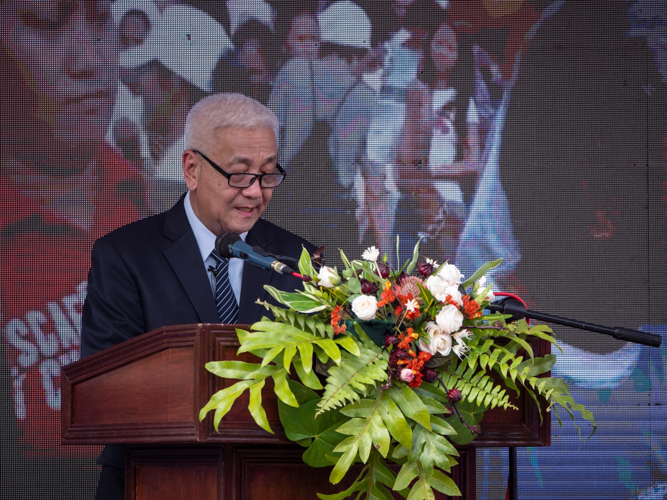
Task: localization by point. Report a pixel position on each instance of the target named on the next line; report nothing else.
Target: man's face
(303, 39)
(220, 207)
(65, 54)
(134, 28)
(444, 49)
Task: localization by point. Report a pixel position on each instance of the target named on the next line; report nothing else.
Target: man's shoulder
(148, 230)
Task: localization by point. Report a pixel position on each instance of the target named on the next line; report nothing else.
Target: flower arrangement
(405, 360)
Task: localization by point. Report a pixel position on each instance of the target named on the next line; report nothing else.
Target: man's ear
(191, 169)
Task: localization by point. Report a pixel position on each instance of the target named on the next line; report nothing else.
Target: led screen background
(545, 144)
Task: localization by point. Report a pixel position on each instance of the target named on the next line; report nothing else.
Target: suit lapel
(185, 259)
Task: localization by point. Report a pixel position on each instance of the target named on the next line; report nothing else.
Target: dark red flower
(368, 288)
(454, 395)
(425, 269)
(384, 269)
(390, 340)
(400, 354)
(476, 430)
(430, 374)
(401, 278)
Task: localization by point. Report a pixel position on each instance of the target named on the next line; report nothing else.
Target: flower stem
(454, 405)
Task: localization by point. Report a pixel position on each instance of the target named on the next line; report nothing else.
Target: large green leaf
(345, 462)
(300, 424)
(306, 264)
(431, 450)
(481, 272)
(223, 400)
(281, 388)
(239, 370)
(444, 484)
(297, 301)
(410, 404)
(395, 421)
(372, 482)
(309, 379)
(255, 406)
(408, 472)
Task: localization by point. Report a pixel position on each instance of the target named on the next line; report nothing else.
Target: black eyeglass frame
(255, 176)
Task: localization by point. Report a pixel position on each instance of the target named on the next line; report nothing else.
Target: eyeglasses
(247, 180)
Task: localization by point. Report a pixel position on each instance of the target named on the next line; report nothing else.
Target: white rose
(455, 293)
(327, 277)
(490, 297)
(365, 307)
(450, 274)
(449, 319)
(441, 342)
(437, 287)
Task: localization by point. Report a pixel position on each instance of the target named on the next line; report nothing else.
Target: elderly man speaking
(163, 270)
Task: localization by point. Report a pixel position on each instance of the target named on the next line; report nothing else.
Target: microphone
(230, 245)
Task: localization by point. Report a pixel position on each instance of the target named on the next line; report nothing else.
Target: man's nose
(88, 49)
(254, 190)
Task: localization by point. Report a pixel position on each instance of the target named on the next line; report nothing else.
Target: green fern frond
(353, 378)
(480, 390)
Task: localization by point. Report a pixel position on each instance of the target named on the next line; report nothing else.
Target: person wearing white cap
(170, 71)
(135, 20)
(324, 108)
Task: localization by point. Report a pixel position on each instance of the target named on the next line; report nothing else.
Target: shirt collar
(205, 238)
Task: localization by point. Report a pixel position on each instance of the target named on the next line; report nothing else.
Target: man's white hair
(225, 111)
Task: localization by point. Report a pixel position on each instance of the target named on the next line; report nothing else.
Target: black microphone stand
(510, 305)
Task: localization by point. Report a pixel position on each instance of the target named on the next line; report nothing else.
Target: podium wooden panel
(146, 393)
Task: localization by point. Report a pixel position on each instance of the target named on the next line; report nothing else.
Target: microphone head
(224, 242)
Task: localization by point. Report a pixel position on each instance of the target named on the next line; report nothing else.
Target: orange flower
(406, 339)
(471, 307)
(449, 300)
(387, 296)
(336, 318)
(425, 356)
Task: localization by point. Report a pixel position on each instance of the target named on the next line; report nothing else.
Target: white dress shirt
(206, 242)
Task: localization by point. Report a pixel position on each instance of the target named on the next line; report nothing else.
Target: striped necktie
(225, 300)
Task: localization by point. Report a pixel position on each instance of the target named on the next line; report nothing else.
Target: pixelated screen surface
(532, 130)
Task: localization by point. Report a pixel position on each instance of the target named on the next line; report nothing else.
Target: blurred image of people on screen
(61, 187)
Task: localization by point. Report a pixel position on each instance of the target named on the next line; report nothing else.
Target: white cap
(121, 7)
(187, 41)
(193, 45)
(242, 11)
(345, 23)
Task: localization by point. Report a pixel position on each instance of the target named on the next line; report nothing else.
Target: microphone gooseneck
(230, 245)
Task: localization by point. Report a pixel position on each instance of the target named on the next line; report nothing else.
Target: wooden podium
(146, 393)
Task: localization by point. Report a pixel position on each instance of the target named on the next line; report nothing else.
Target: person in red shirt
(61, 187)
